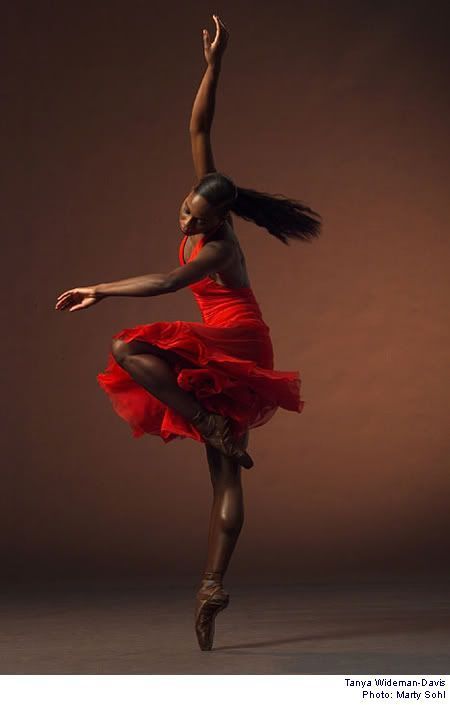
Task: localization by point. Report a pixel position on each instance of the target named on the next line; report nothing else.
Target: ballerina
(211, 381)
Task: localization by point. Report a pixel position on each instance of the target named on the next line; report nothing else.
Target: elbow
(198, 129)
(170, 285)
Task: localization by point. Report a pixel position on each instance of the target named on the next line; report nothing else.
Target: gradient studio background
(343, 105)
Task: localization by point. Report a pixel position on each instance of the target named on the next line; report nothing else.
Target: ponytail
(285, 218)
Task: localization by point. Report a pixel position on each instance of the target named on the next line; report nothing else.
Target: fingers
(65, 293)
(74, 307)
(63, 304)
(74, 299)
(86, 303)
(220, 28)
(217, 29)
(219, 24)
(63, 299)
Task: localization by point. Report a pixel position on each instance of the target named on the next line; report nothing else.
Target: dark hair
(285, 218)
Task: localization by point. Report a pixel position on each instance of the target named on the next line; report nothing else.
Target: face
(197, 215)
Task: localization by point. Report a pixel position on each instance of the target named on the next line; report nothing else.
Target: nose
(189, 224)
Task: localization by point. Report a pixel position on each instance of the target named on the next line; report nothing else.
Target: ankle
(212, 577)
(198, 416)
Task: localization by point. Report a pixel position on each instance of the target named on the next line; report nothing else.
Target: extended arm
(146, 285)
(213, 256)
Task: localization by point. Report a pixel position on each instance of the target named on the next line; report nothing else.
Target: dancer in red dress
(215, 380)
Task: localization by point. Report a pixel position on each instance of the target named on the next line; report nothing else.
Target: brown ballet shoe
(211, 600)
(216, 430)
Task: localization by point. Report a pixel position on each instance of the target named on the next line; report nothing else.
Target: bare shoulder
(221, 251)
(234, 270)
(225, 245)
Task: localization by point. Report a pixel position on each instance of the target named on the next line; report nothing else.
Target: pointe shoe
(210, 601)
(216, 430)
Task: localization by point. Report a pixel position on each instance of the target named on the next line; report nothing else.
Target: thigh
(139, 347)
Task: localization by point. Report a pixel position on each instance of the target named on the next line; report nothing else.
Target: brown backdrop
(344, 106)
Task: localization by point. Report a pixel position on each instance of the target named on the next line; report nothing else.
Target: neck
(216, 227)
(206, 234)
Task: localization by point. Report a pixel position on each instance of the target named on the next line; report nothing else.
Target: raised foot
(216, 430)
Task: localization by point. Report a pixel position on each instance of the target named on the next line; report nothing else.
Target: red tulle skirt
(228, 369)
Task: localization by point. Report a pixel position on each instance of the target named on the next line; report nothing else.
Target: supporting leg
(227, 516)
(227, 512)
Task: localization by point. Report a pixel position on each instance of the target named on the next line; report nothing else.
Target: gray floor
(267, 629)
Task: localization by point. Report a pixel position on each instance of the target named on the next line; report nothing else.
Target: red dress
(232, 365)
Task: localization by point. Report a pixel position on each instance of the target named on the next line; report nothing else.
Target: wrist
(215, 65)
(99, 291)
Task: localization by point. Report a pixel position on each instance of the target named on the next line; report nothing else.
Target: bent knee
(120, 350)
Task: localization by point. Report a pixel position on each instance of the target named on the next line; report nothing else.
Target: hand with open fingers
(213, 51)
(75, 299)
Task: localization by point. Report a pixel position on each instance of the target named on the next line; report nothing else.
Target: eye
(199, 220)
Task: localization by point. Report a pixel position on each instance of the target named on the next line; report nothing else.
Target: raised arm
(204, 103)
